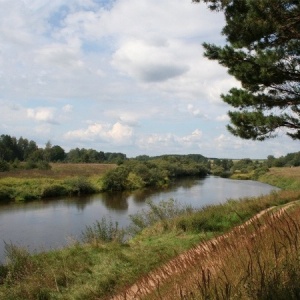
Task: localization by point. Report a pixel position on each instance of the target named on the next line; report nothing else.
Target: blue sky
(118, 76)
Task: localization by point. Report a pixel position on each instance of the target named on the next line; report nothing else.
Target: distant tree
(74, 155)
(263, 53)
(37, 155)
(57, 153)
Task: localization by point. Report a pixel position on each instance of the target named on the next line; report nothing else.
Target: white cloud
(120, 133)
(68, 108)
(174, 142)
(115, 133)
(62, 55)
(197, 112)
(149, 62)
(223, 118)
(45, 114)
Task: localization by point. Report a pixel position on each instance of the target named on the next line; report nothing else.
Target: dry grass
(293, 173)
(257, 260)
(61, 170)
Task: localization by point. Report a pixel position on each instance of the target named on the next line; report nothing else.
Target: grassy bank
(104, 264)
(61, 180)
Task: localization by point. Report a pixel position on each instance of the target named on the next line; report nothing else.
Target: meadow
(61, 180)
(228, 256)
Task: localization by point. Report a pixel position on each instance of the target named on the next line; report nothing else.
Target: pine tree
(263, 53)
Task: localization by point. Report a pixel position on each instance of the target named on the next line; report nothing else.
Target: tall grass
(259, 260)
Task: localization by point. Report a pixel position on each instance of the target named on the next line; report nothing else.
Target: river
(50, 224)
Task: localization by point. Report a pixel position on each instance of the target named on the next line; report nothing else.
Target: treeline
(251, 169)
(13, 151)
(289, 160)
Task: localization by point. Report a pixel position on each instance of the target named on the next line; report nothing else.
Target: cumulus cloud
(149, 62)
(174, 142)
(196, 112)
(115, 133)
(45, 114)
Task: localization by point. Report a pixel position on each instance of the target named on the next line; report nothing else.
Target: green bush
(5, 193)
(43, 165)
(164, 211)
(103, 231)
(134, 181)
(116, 179)
(54, 190)
(30, 164)
(4, 166)
(79, 186)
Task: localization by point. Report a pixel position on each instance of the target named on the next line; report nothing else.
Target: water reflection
(48, 224)
(116, 201)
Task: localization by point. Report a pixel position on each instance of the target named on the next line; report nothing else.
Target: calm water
(50, 224)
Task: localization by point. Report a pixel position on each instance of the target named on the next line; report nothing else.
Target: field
(60, 171)
(61, 180)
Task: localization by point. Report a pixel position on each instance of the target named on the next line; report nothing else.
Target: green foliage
(5, 193)
(79, 186)
(115, 180)
(43, 165)
(54, 190)
(19, 263)
(4, 166)
(158, 172)
(21, 149)
(163, 212)
(103, 231)
(262, 52)
(289, 160)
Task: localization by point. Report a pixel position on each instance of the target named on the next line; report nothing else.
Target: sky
(119, 76)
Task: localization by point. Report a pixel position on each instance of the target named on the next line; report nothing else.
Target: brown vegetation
(61, 170)
(257, 260)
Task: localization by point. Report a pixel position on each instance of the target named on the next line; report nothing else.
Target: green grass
(61, 180)
(285, 178)
(105, 265)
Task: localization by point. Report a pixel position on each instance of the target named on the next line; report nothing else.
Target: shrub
(4, 166)
(30, 164)
(19, 265)
(134, 181)
(79, 186)
(5, 193)
(43, 165)
(103, 231)
(164, 211)
(54, 190)
(116, 180)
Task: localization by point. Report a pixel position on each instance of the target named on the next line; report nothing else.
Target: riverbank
(61, 180)
(104, 265)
